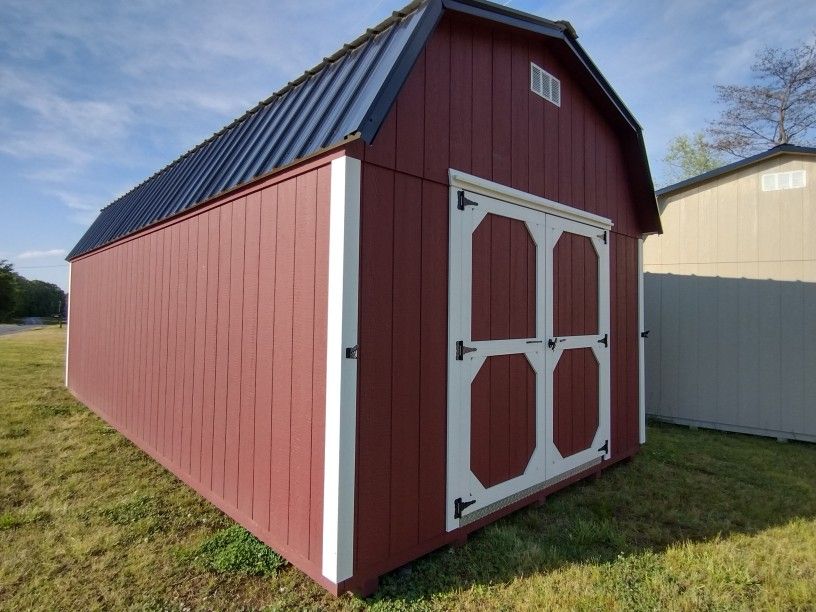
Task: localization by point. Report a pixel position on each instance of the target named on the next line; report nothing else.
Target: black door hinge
(462, 350)
(605, 448)
(459, 506)
(645, 334)
(463, 201)
(604, 340)
(353, 352)
(603, 237)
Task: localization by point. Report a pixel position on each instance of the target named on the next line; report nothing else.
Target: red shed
(395, 301)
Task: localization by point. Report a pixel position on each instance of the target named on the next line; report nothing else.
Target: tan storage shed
(730, 298)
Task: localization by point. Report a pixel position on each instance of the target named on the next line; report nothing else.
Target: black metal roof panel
(348, 93)
(742, 163)
(330, 102)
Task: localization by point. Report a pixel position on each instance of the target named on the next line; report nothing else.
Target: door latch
(604, 340)
(552, 342)
(459, 506)
(462, 350)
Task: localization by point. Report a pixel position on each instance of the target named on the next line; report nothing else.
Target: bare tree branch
(778, 108)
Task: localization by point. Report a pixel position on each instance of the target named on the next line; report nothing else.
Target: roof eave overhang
(694, 181)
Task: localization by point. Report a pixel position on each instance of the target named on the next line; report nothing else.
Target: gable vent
(783, 180)
(545, 85)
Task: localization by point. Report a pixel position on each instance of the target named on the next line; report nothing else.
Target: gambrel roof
(347, 95)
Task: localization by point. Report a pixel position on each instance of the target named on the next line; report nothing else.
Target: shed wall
(728, 294)
(203, 341)
(466, 105)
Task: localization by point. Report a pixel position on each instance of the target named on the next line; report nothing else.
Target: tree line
(778, 107)
(21, 297)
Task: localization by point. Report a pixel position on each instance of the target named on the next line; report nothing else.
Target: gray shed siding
(729, 292)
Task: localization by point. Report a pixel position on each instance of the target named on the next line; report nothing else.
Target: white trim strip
(341, 373)
(68, 324)
(641, 349)
(463, 180)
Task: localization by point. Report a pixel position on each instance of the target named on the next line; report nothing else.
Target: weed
(235, 550)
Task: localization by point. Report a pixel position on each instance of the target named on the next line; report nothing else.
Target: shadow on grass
(684, 486)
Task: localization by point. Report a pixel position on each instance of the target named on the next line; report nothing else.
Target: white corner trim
(341, 373)
(641, 349)
(466, 181)
(68, 324)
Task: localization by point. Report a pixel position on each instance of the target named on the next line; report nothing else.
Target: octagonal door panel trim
(585, 292)
(498, 228)
(475, 334)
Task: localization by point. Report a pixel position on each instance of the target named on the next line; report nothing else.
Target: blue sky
(96, 96)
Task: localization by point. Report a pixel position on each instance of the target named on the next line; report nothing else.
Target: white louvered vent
(783, 180)
(544, 84)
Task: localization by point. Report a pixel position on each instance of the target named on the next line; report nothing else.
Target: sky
(95, 96)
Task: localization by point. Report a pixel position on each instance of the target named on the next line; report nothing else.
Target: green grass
(698, 520)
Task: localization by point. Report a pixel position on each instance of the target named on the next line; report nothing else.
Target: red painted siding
(575, 286)
(575, 401)
(471, 86)
(204, 341)
(502, 419)
(504, 286)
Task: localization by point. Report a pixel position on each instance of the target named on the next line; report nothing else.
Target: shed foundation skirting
(754, 431)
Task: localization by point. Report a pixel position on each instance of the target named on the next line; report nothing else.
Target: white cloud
(41, 254)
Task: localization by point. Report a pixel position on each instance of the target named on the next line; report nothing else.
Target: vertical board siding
(575, 401)
(575, 298)
(204, 342)
(502, 438)
(487, 123)
(504, 286)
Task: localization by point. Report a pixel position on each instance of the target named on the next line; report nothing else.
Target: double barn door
(528, 369)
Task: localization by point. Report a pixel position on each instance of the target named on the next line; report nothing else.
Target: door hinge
(605, 448)
(353, 352)
(463, 201)
(604, 340)
(645, 333)
(459, 506)
(462, 350)
(603, 237)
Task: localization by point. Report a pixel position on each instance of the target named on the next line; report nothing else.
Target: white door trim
(556, 464)
(475, 184)
(461, 482)
(545, 220)
(68, 325)
(641, 349)
(341, 372)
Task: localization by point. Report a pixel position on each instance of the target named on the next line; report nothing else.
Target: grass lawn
(697, 520)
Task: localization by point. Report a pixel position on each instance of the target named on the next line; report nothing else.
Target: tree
(779, 108)
(37, 298)
(689, 156)
(8, 290)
